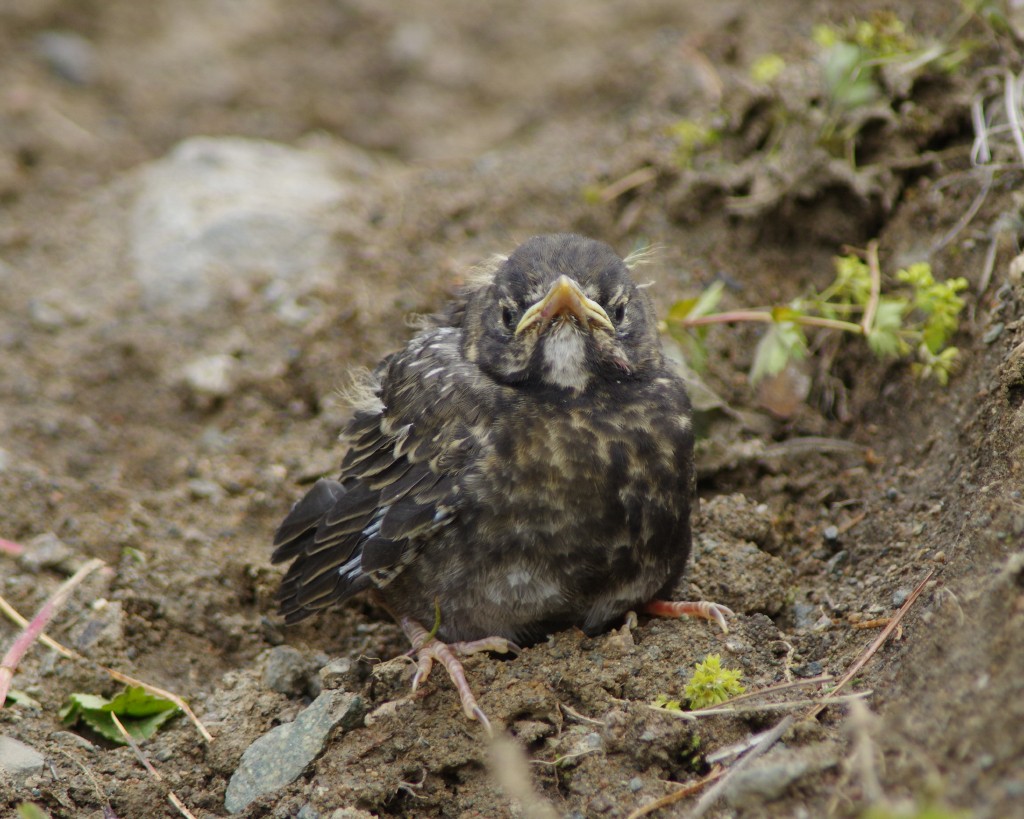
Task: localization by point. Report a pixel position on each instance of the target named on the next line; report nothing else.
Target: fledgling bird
(524, 465)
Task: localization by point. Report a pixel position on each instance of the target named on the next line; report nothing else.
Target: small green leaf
(766, 68)
(884, 338)
(702, 305)
(849, 77)
(140, 712)
(784, 342)
(17, 697)
(695, 352)
(691, 137)
(680, 311)
(785, 313)
(29, 810)
(662, 701)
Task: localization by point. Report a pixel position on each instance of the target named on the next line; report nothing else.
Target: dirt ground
(453, 131)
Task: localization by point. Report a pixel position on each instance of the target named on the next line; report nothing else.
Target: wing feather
(399, 482)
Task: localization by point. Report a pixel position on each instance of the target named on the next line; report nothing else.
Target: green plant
(29, 810)
(852, 58)
(663, 702)
(916, 314)
(692, 137)
(711, 684)
(140, 712)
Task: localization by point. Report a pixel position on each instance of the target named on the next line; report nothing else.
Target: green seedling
(712, 684)
(140, 712)
(691, 137)
(915, 315)
(30, 810)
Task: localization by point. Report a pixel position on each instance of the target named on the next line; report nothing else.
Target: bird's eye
(508, 318)
(619, 313)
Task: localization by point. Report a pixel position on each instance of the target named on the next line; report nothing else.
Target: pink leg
(428, 649)
(700, 608)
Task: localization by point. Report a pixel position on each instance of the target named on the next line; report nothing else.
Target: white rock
(222, 215)
(212, 376)
(18, 760)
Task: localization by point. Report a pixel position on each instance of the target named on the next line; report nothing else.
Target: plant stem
(876, 287)
(38, 623)
(766, 317)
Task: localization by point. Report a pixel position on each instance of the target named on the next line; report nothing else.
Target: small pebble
(202, 489)
(339, 673)
(68, 55)
(811, 669)
(18, 760)
(837, 561)
(899, 597)
(635, 784)
(47, 551)
(286, 671)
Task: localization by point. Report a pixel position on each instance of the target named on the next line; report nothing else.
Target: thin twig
(988, 177)
(44, 638)
(9, 547)
(38, 623)
(171, 795)
(870, 651)
(1013, 112)
(876, 288)
(989, 265)
(755, 709)
(576, 716)
(631, 180)
(765, 317)
(770, 738)
(676, 795)
(783, 686)
(117, 675)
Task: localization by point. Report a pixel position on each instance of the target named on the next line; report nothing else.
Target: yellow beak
(565, 298)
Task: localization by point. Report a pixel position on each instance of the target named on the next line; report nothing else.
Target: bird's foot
(698, 608)
(428, 649)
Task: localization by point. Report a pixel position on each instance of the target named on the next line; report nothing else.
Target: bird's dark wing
(398, 482)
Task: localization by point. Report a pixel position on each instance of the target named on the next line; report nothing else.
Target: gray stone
(219, 217)
(103, 628)
(755, 786)
(281, 755)
(771, 776)
(68, 55)
(47, 551)
(286, 671)
(18, 760)
(339, 673)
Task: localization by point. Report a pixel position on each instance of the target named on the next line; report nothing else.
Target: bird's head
(561, 311)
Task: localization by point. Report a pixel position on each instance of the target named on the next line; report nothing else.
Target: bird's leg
(428, 648)
(698, 608)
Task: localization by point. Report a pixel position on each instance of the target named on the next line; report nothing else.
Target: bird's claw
(428, 648)
(697, 608)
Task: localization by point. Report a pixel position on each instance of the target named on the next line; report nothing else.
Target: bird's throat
(565, 357)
